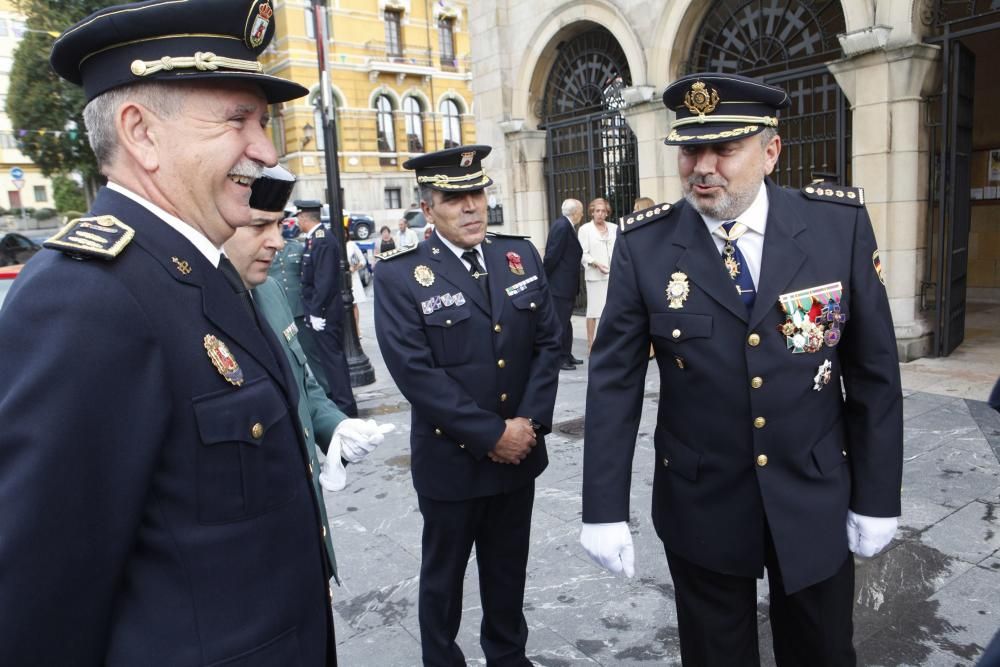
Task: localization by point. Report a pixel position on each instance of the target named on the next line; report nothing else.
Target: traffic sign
(16, 173)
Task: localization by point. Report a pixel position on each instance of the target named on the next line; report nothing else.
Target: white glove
(333, 476)
(317, 323)
(867, 535)
(610, 546)
(357, 438)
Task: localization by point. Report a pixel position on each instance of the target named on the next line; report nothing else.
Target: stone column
(890, 156)
(650, 121)
(525, 186)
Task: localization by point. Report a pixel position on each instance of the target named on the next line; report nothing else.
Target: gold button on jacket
(257, 431)
(762, 460)
(759, 422)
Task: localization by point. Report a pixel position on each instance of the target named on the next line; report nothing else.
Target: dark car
(415, 219)
(17, 249)
(359, 225)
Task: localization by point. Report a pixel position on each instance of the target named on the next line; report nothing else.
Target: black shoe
(576, 361)
(568, 366)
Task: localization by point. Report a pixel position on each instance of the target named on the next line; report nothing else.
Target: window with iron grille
(383, 120)
(393, 34)
(414, 125)
(452, 124)
(393, 198)
(446, 35)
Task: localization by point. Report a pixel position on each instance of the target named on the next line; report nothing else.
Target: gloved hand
(317, 323)
(868, 535)
(333, 476)
(610, 546)
(357, 438)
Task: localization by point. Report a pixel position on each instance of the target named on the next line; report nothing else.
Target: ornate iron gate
(786, 43)
(590, 149)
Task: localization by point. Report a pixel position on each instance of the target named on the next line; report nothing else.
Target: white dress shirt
(458, 252)
(751, 244)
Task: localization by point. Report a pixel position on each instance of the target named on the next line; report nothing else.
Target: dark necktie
(477, 271)
(735, 263)
(234, 280)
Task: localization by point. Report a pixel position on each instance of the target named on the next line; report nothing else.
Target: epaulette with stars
(644, 217)
(102, 236)
(395, 252)
(840, 194)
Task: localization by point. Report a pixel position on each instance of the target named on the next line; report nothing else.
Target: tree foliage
(45, 111)
(67, 195)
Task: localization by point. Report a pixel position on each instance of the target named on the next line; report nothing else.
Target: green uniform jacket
(318, 415)
(286, 269)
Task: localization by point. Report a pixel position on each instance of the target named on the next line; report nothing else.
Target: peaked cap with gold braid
(457, 169)
(714, 107)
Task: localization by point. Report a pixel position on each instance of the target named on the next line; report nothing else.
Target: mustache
(247, 168)
(719, 181)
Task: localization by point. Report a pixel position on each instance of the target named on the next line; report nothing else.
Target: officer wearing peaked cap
(467, 329)
(170, 497)
(761, 303)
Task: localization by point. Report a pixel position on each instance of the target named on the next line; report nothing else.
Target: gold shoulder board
(102, 236)
(840, 194)
(637, 219)
(395, 252)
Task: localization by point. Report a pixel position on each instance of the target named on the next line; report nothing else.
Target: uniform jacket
(318, 415)
(562, 259)
(468, 366)
(322, 279)
(287, 271)
(164, 516)
(732, 392)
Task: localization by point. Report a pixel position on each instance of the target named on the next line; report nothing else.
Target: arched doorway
(590, 151)
(786, 44)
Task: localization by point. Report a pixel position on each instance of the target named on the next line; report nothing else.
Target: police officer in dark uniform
(165, 509)
(323, 305)
(466, 327)
(761, 303)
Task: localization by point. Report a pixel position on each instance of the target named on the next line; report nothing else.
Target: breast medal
(813, 318)
(223, 360)
(423, 275)
(514, 264)
(678, 289)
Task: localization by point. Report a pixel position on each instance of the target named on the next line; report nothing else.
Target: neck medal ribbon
(813, 318)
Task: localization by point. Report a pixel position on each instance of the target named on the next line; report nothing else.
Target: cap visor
(711, 133)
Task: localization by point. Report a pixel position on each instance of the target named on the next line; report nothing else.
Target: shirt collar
(458, 251)
(755, 217)
(197, 239)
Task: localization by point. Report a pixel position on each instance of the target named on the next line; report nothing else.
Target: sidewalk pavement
(932, 598)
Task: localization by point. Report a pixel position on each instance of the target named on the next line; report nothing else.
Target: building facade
(400, 80)
(893, 96)
(32, 190)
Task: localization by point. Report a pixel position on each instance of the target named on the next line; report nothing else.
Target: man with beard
(165, 512)
(779, 427)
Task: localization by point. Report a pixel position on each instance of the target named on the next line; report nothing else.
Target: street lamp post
(360, 366)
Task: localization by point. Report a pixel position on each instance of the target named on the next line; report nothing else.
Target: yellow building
(32, 190)
(399, 75)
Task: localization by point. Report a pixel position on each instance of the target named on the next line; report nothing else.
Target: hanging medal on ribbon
(813, 318)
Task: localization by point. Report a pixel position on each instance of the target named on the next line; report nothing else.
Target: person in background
(356, 261)
(597, 239)
(779, 432)
(323, 305)
(384, 243)
(428, 230)
(562, 267)
(405, 237)
(166, 513)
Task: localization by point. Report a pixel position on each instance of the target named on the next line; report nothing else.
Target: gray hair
(571, 206)
(767, 134)
(427, 195)
(99, 116)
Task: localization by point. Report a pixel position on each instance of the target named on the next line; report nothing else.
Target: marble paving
(932, 598)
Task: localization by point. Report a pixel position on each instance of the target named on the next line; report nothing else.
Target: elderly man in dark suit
(562, 267)
(165, 509)
(762, 303)
(467, 330)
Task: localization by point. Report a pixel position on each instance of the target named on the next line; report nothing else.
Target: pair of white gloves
(352, 440)
(610, 544)
(317, 323)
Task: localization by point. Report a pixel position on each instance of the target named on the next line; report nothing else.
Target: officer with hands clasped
(467, 329)
(165, 512)
(761, 303)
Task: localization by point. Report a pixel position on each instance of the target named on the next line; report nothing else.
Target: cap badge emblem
(467, 159)
(423, 275)
(223, 360)
(678, 289)
(255, 36)
(701, 99)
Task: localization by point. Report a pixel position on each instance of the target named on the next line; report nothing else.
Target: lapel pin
(223, 360)
(182, 265)
(823, 374)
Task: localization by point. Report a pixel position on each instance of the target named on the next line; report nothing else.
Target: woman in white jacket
(597, 238)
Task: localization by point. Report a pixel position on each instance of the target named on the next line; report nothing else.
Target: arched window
(414, 125)
(386, 131)
(452, 124)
